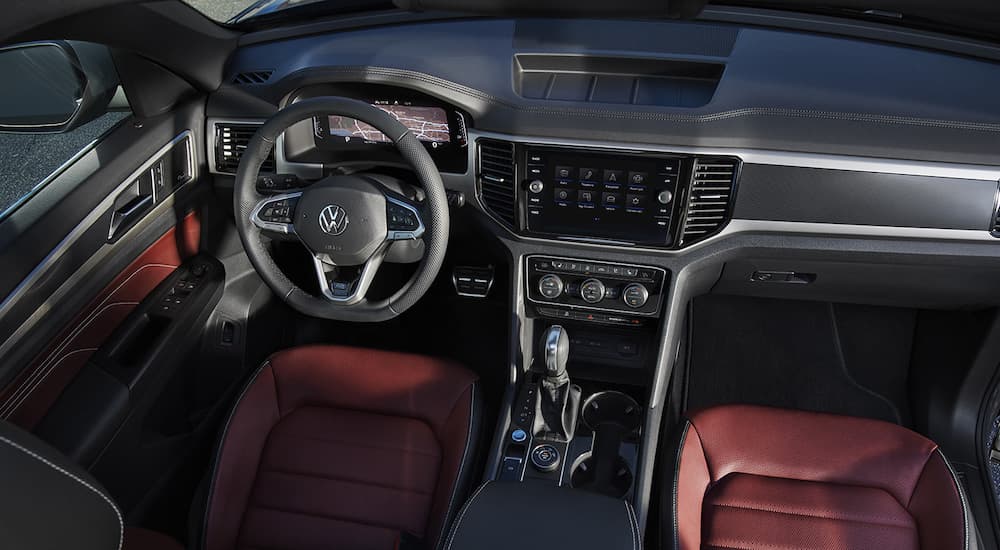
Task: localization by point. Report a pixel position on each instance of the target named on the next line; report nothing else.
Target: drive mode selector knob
(592, 291)
(635, 295)
(550, 286)
(545, 458)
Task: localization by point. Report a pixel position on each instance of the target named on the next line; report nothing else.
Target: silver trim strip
(70, 239)
(769, 157)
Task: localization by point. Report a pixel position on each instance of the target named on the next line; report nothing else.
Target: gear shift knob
(555, 350)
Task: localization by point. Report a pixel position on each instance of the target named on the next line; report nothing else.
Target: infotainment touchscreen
(428, 124)
(626, 197)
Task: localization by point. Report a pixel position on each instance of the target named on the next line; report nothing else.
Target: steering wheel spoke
(347, 285)
(276, 214)
(404, 220)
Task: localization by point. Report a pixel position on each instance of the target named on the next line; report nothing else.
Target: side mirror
(54, 86)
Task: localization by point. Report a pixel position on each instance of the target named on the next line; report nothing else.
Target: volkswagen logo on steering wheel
(333, 219)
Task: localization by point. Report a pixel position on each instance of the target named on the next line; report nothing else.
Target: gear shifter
(558, 401)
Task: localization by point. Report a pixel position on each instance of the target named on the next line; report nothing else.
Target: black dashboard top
(759, 88)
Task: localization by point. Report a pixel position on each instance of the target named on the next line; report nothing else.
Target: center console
(578, 414)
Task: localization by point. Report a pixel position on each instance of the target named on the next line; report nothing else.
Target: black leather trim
(463, 479)
(67, 508)
(672, 509)
(538, 515)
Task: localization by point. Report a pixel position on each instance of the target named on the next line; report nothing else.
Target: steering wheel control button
(279, 211)
(545, 458)
(519, 436)
(550, 286)
(635, 295)
(400, 218)
(592, 291)
(536, 186)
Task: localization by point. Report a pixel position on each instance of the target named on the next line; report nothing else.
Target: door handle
(131, 205)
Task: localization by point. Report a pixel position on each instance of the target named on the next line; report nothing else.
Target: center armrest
(538, 515)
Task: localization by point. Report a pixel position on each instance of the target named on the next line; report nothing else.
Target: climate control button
(635, 295)
(550, 286)
(592, 291)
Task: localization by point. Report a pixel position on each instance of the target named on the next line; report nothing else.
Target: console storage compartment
(537, 515)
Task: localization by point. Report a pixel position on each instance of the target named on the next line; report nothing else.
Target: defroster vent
(709, 199)
(231, 141)
(496, 179)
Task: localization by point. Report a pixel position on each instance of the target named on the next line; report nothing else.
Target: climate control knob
(536, 186)
(592, 291)
(550, 286)
(635, 295)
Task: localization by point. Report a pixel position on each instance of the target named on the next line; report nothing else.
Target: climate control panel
(594, 286)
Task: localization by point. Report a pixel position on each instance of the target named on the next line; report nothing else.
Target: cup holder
(612, 416)
(584, 476)
(612, 407)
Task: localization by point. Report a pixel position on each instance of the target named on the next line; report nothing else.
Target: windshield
(976, 18)
(233, 11)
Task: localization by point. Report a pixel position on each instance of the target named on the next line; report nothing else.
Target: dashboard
(676, 142)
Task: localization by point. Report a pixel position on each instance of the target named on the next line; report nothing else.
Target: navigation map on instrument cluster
(426, 123)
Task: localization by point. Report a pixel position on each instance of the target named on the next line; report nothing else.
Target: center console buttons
(592, 291)
(550, 286)
(545, 458)
(635, 295)
(536, 186)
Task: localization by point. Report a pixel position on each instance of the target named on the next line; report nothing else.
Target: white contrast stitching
(43, 460)
(961, 497)
(458, 522)
(633, 525)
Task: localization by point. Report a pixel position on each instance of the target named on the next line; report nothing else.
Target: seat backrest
(770, 445)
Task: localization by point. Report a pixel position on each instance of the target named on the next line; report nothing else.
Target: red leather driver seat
(335, 447)
(759, 478)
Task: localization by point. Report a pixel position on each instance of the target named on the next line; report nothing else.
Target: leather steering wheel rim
(434, 211)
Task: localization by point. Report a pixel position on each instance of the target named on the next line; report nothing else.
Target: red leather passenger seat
(334, 447)
(754, 478)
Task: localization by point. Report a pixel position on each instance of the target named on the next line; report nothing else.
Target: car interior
(495, 274)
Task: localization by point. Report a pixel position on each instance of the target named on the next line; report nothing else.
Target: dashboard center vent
(495, 178)
(251, 78)
(710, 198)
(231, 139)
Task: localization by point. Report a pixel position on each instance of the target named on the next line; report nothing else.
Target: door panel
(26, 399)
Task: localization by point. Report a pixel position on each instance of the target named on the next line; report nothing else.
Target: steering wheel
(348, 223)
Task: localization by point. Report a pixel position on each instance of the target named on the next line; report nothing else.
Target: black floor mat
(836, 358)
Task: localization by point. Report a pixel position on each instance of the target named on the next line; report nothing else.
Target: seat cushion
(743, 511)
(760, 478)
(343, 447)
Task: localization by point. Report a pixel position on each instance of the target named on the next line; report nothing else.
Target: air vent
(231, 140)
(709, 199)
(496, 179)
(251, 78)
(995, 231)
